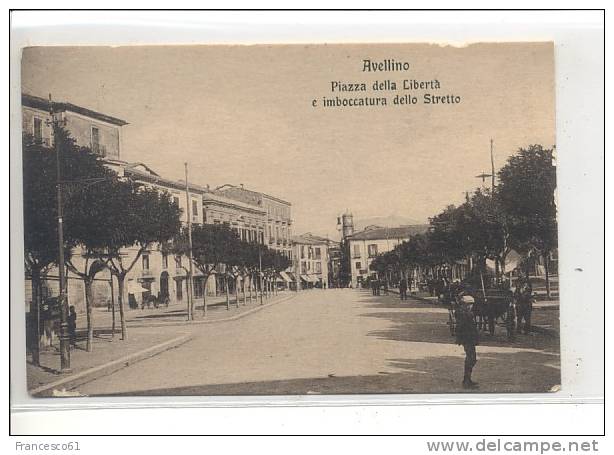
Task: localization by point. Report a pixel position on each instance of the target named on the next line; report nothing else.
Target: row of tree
(519, 214)
(104, 216)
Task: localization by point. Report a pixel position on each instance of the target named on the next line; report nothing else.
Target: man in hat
(467, 336)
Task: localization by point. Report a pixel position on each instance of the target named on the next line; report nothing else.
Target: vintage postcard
(290, 219)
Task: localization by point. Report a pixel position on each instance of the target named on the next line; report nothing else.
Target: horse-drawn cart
(492, 307)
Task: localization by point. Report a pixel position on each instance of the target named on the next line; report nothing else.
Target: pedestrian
(373, 287)
(403, 289)
(72, 325)
(467, 336)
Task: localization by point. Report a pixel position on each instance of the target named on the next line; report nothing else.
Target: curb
(210, 321)
(89, 375)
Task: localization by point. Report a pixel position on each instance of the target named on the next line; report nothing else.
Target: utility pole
(64, 338)
(190, 270)
(492, 168)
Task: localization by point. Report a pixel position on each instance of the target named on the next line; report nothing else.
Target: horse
(498, 303)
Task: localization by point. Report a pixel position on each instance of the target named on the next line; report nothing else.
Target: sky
(244, 115)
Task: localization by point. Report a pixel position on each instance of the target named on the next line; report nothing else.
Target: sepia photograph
(290, 219)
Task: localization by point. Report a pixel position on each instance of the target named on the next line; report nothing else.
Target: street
(336, 341)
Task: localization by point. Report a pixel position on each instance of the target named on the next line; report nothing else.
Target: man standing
(403, 289)
(72, 325)
(467, 336)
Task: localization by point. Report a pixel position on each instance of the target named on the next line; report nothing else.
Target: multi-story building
(161, 273)
(311, 260)
(101, 132)
(248, 220)
(278, 228)
(365, 245)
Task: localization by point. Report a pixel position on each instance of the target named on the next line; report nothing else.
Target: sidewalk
(176, 314)
(150, 332)
(108, 354)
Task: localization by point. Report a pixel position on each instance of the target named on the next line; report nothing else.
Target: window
(216, 221)
(310, 253)
(303, 267)
(194, 208)
(372, 250)
(318, 267)
(178, 261)
(164, 261)
(358, 266)
(317, 253)
(95, 140)
(302, 251)
(145, 262)
(356, 251)
(176, 200)
(38, 129)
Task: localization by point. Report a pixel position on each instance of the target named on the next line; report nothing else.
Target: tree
(141, 216)
(527, 184)
(82, 175)
(41, 249)
(210, 243)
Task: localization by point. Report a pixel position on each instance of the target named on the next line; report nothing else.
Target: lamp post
(64, 337)
(190, 268)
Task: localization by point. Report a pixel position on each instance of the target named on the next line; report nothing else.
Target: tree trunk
(205, 295)
(35, 316)
(251, 288)
(89, 314)
(112, 308)
(121, 284)
(237, 291)
(227, 293)
(243, 289)
(547, 271)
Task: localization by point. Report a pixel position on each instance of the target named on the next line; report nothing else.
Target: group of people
(377, 286)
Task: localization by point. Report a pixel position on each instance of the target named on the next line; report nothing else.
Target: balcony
(147, 274)
(99, 149)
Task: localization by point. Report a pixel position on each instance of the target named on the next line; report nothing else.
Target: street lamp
(64, 337)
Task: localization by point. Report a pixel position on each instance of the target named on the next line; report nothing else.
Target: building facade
(311, 260)
(278, 215)
(101, 132)
(365, 245)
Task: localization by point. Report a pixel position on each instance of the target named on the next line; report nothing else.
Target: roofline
(38, 102)
(213, 198)
(259, 193)
(178, 185)
(384, 231)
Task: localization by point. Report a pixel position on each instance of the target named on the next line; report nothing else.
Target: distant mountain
(385, 221)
